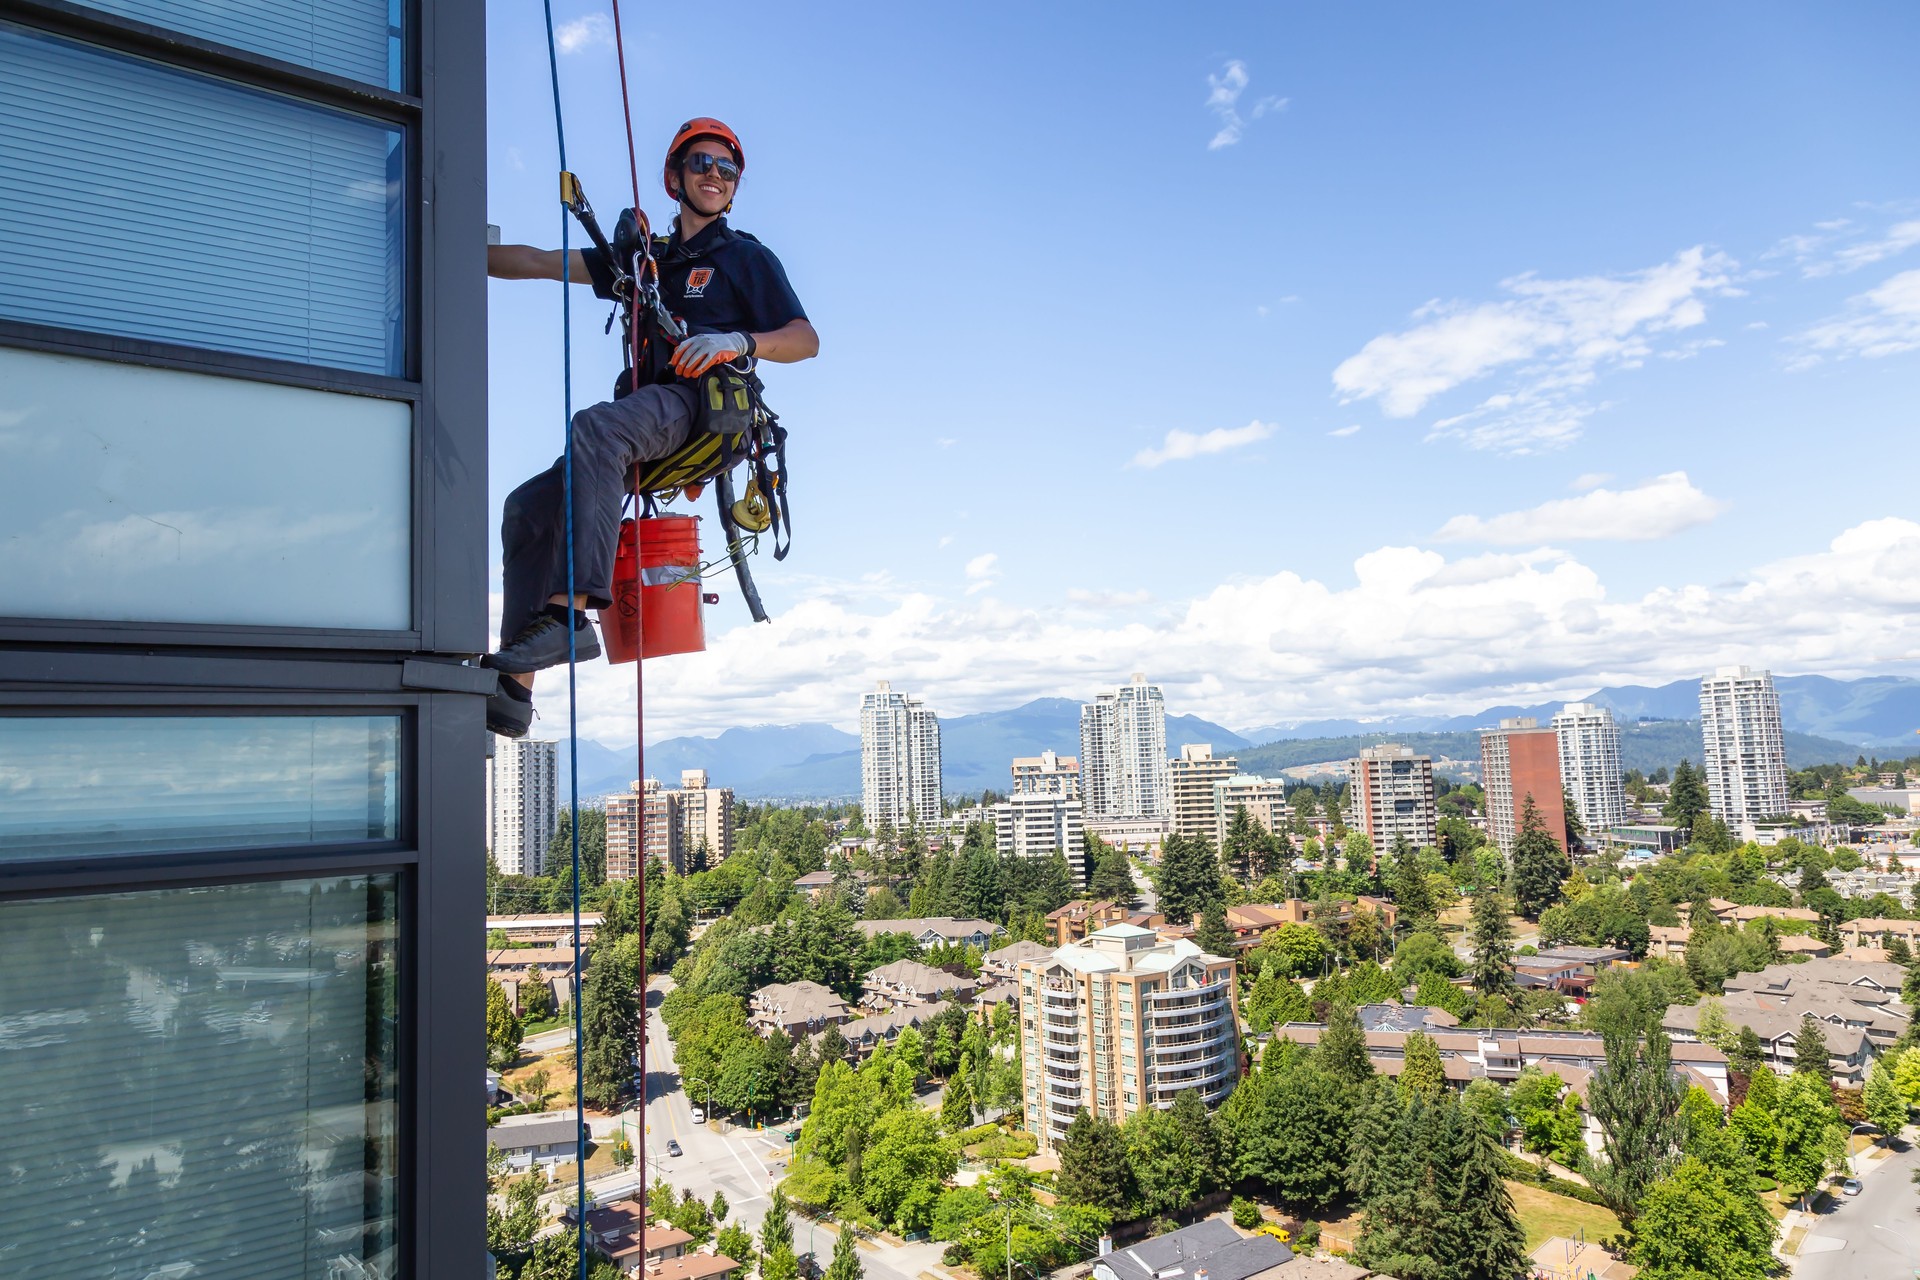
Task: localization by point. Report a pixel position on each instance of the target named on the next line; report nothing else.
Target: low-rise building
(510, 967)
(543, 928)
(1648, 837)
(530, 1141)
(797, 1008)
(1005, 963)
(934, 931)
(909, 982)
(864, 1035)
(1083, 916)
(1874, 931)
(1208, 1250)
(1251, 921)
(1848, 1048)
(1143, 834)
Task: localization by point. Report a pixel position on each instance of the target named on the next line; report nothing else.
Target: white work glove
(700, 353)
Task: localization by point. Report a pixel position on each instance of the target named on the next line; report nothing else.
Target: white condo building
(1123, 752)
(1590, 765)
(1039, 824)
(899, 759)
(523, 784)
(1746, 752)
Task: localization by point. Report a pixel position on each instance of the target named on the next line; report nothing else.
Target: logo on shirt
(697, 281)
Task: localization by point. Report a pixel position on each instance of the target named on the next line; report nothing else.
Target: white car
(1850, 1187)
(699, 1116)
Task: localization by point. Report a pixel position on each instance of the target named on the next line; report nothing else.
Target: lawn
(1545, 1214)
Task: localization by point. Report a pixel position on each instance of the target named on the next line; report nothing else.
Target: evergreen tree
(1200, 1140)
(1188, 877)
(1410, 890)
(1634, 1097)
(1342, 1052)
(503, 1029)
(1112, 876)
(1093, 1164)
(1492, 942)
(1481, 1238)
(1746, 1056)
(1881, 1097)
(1810, 1048)
(846, 1258)
(1237, 850)
(1286, 1123)
(611, 1015)
(1686, 796)
(1214, 936)
(1539, 864)
(956, 1105)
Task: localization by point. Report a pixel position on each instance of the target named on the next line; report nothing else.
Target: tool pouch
(724, 400)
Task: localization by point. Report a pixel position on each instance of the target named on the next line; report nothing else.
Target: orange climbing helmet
(691, 132)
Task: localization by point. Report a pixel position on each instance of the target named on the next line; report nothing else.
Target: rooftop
(1210, 1245)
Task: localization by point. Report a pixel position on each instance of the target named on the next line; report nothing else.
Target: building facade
(1046, 774)
(899, 759)
(1123, 752)
(1265, 799)
(523, 803)
(705, 814)
(1121, 1021)
(678, 825)
(1520, 760)
(1191, 783)
(1038, 824)
(1390, 794)
(1588, 738)
(1745, 749)
(244, 500)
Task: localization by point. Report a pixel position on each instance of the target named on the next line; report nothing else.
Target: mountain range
(1825, 719)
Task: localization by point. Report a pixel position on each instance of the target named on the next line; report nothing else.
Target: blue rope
(573, 683)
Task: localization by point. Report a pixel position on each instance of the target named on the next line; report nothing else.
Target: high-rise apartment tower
(1123, 752)
(1192, 780)
(523, 805)
(1589, 740)
(1390, 794)
(1746, 753)
(1520, 760)
(899, 758)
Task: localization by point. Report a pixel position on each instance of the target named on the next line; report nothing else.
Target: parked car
(809, 1267)
(1850, 1187)
(699, 1116)
(673, 1147)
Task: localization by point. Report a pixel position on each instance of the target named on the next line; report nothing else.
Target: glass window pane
(150, 495)
(200, 1083)
(84, 785)
(358, 39)
(140, 200)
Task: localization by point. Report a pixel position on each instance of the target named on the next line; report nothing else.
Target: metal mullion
(144, 39)
(129, 873)
(199, 680)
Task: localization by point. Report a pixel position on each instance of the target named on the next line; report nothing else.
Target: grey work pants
(608, 439)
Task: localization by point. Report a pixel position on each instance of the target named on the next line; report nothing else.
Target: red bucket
(661, 592)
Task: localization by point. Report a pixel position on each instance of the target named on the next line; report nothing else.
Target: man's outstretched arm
(524, 262)
(791, 342)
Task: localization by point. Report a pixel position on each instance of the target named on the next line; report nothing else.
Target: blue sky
(1317, 360)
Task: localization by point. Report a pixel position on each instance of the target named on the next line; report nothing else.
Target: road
(1872, 1236)
(742, 1163)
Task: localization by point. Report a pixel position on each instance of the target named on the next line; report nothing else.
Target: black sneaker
(544, 644)
(507, 715)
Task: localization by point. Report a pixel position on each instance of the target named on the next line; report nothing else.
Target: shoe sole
(513, 666)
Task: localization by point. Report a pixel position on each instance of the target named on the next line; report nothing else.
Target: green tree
(510, 1227)
(1686, 796)
(1481, 1236)
(1200, 1137)
(1703, 1221)
(1423, 1072)
(1808, 1122)
(1302, 950)
(1093, 1164)
(503, 1029)
(1286, 1123)
(776, 1229)
(736, 1242)
(1539, 864)
(1492, 942)
(1633, 1095)
(1165, 1178)
(779, 1264)
(1112, 875)
(1549, 1116)
(1810, 1055)
(1188, 877)
(1745, 1055)
(846, 1257)
(1342, 1052)
(904, 1163)
(611, 1012)
(956, 1105)
(1214, 936)
(1885, 1107)
(1411, 892)
(1243, 840)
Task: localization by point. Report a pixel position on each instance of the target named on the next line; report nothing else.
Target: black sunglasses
(702, 163)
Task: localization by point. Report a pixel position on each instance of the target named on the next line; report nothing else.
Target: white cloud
(1223, 99)
(1412, 631)
(1589, 480)
(946, 540)
(981, 566)
(946, 442)
(1883, 321)
(1353, 429)
(1181, 445)
(1657, 508)
(581, 33)
(1109, 599)
(1554, 336)
(1839, 248)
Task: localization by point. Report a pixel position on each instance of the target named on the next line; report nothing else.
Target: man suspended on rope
(732, 294)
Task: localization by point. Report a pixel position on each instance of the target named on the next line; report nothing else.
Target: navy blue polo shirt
(721, 281)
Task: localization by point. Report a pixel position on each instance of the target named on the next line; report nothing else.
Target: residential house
(864, 1035)
(530, 1141)
(1210, 1248)
(1874, 931)
(992, 996)
(508, 967)
(908, 982)
(1404, 1017)
(1728, 913)
(1083, 916)
(1005, 962)
(932, 931)
(1799, 944)
(797, 1008)
(1668, 941)
(1777, 1024)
